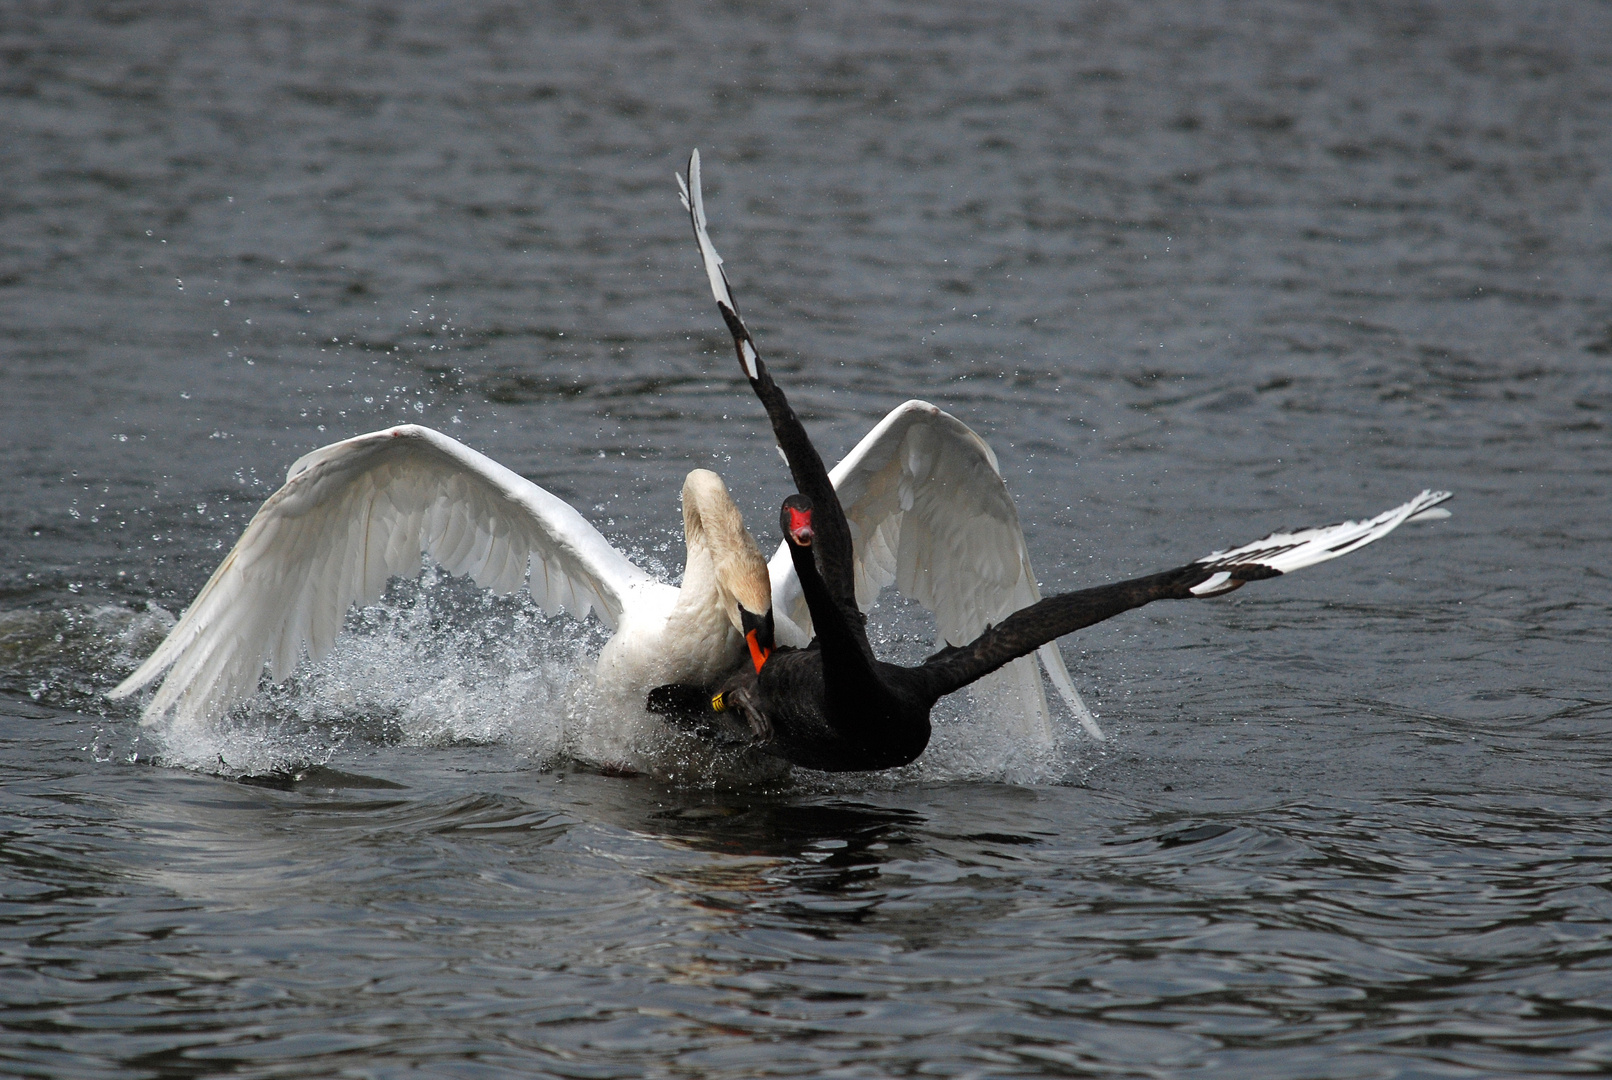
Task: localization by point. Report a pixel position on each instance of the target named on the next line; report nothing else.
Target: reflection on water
(845, 832)
(466, 898)
(1193, 271)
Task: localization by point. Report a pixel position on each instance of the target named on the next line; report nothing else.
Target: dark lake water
(1196, 272)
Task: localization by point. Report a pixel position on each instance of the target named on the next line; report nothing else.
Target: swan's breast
(640, 650)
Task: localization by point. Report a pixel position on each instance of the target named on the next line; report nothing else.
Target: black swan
(834, 705)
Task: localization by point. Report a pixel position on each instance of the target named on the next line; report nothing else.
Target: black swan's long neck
(1027, 629)
(835, 554)
(847, 656)
(859, 720)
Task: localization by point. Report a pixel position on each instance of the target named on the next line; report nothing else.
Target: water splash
(438, 663)
(61, 655)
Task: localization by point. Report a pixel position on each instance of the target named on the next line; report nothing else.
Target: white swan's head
(712, 522)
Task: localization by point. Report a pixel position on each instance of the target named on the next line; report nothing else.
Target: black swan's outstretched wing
(835, 548)
(926, 509)
(1214, 574)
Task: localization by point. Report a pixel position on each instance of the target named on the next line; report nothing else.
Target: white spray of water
(439, 662)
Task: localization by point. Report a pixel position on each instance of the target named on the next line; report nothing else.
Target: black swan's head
(796, 521)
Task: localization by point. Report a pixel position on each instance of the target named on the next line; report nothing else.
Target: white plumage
(929, 508)
(1285, 552)
(930, 514)
(354, 514)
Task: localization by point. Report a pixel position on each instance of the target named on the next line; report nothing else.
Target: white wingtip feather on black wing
(694, 203)
(1284, 552)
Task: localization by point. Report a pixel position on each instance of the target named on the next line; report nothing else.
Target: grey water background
(1195, 271)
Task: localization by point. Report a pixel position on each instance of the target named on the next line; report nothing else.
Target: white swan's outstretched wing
(1285, 552)
(350, 516)
(929, 513)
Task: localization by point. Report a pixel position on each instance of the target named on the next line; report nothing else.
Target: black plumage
(834, 705)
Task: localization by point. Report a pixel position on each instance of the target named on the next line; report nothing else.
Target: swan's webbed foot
(742, 700)
(725, 719)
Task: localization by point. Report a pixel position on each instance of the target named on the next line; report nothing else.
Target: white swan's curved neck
(699, 636)
(724, 563)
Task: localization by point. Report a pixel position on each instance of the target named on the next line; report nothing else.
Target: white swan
(924, 492)
(354, 513)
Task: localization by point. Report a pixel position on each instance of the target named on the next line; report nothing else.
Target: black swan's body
(834, 705)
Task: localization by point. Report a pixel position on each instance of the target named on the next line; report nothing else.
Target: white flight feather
(694, 203)
(930, 514)
(1286, 552)
(350, 516)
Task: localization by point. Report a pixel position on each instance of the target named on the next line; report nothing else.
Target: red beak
(800, 526)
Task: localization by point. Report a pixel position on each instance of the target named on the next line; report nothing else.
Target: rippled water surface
(1196, 272)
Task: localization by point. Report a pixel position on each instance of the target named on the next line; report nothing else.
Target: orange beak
(758, 651)
(757, 634)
